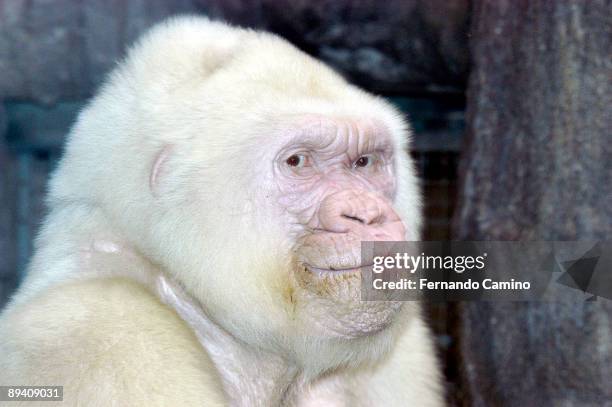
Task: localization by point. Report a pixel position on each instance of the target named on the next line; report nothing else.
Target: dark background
(510, 105)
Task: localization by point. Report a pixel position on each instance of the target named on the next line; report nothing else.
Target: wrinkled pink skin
(338, 203)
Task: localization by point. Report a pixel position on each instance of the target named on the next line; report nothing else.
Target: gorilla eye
(296, 160)
(364, 161)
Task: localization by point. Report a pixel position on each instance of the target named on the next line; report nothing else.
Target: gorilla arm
(108, 342)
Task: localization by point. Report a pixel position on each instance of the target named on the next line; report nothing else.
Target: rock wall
(537, 166)
(54, 50)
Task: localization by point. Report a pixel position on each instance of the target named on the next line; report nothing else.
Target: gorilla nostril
(356, 219)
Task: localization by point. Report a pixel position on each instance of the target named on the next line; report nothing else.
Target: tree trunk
(538, 166)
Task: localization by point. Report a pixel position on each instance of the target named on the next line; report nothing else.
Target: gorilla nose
(364, 214)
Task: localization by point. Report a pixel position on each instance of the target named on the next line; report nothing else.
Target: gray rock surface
(538, 166)
(61, 49)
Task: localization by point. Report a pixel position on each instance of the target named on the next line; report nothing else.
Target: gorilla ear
(158, 168)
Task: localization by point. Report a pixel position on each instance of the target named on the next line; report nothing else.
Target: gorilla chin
(330, 300)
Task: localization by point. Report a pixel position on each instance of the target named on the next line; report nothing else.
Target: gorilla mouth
(332, 256)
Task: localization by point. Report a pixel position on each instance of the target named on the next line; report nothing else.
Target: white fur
(163, 183)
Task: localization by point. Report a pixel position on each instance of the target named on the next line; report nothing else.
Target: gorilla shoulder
(103, 340)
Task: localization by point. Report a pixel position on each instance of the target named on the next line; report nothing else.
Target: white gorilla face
(277, 222)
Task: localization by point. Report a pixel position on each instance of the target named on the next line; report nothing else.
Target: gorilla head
(249, 173)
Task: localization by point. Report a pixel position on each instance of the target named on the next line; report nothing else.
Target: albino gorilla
(203, 241)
